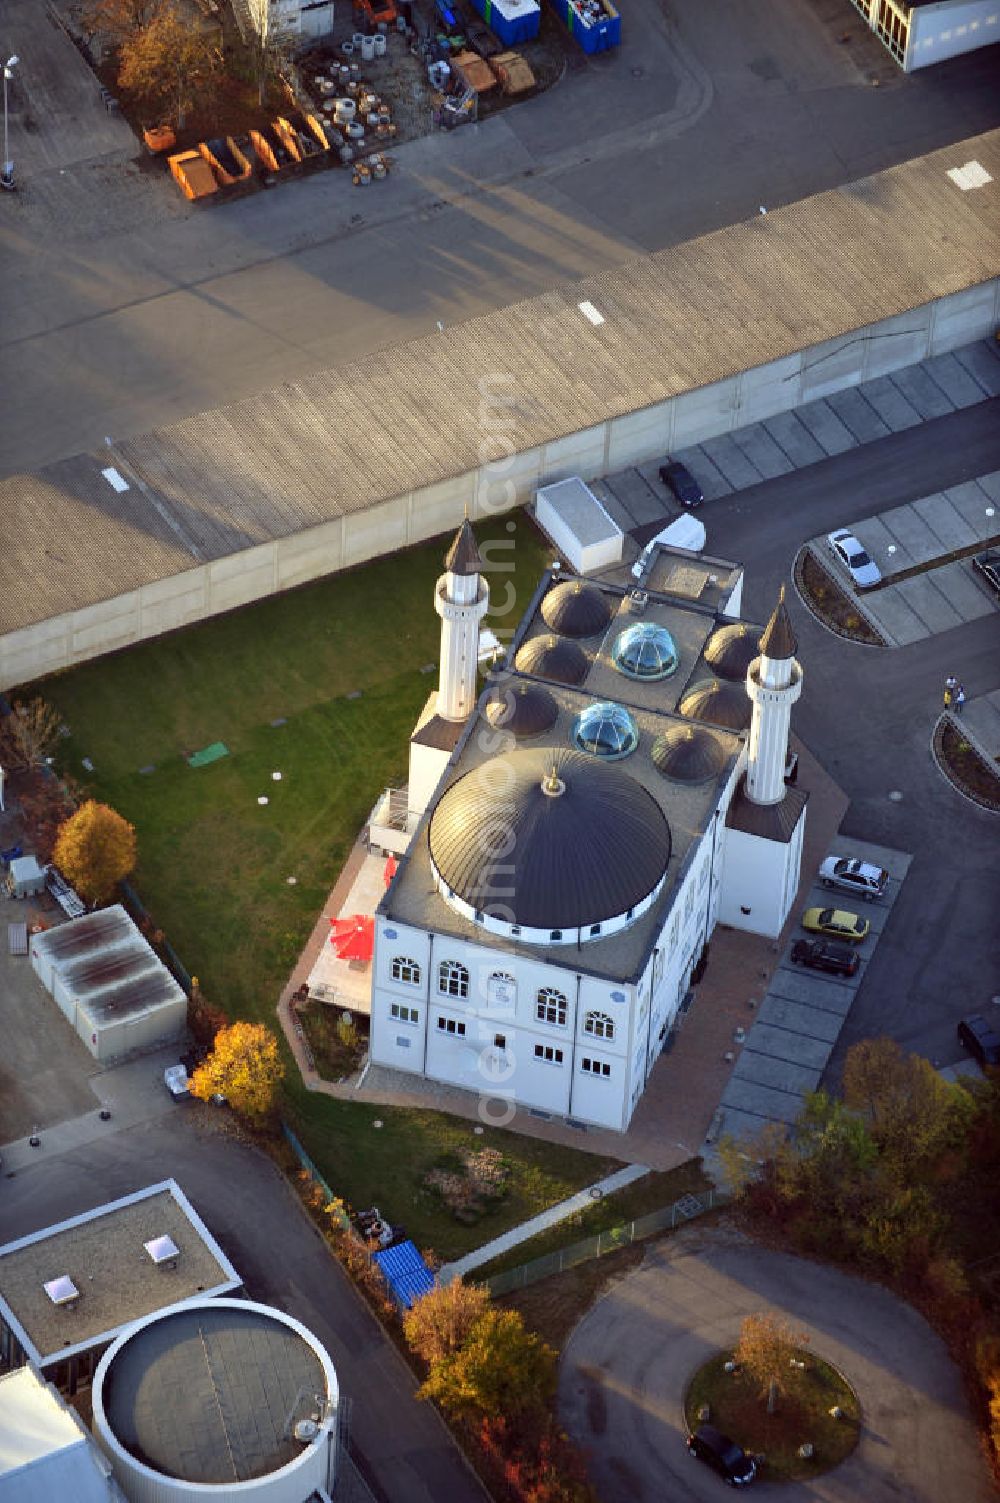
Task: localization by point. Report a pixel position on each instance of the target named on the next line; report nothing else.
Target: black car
(826, 955)
(678, 478)
(987, 564)
(981, 1038)
(722, 1455)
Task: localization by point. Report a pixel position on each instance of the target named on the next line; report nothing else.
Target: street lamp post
(7, 177)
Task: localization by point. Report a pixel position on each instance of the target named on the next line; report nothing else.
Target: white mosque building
(571, 837)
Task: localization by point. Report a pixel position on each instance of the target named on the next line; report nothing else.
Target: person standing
(958, 700)
(949, 695)
(950, 684)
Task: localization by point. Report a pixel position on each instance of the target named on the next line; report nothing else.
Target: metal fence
(312, 1171)
(141, 914)
(665, 1220)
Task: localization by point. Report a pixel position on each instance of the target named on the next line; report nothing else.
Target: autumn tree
(118, 20)
(95, 850)
(169, 64)
(765, 1351)
(500, 1368)
(205, 1020)
(440, 1321)
(28, 735)
(46, 804)
(912, 1112)
(244, 1066)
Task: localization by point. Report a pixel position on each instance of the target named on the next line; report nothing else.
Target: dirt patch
(963, 766)
(827, 601)
(554, 1306)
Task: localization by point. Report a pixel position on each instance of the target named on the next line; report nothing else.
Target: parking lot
(913, 536)
(801, 1017)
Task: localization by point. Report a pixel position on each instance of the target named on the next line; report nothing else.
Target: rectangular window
(451, 1025)
(674, 927)
(403, 1014)
(499, 1041)
(595, 1067)
(549, 1054)
(703, 874)
(403, 1041)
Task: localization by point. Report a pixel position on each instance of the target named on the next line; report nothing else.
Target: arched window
(453, 979)
(405, 969)
(550, 1006)
(600, 1025)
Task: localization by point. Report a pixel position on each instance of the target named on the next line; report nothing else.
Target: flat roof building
(68, 1290)
(46, 1455)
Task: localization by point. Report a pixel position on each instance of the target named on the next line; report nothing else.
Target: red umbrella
(391, 867)
(353, 938)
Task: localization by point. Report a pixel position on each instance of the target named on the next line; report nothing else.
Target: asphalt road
(868, 715)
(124, 309)
(627, 1364)
(400, 1445)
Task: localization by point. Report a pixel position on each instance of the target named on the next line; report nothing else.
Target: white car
(855, 560)
(851, 875)
(175, 1078)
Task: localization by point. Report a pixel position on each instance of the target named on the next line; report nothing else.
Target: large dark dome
(731, 649)
(553, 657)
(722, 704)
(575, 609)
(523, 709)
(688, 754)
(566, 859)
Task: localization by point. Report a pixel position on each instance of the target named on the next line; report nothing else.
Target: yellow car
(836, 922)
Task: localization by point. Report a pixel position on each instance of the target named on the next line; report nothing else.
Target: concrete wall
(955, 26)
(225, 584)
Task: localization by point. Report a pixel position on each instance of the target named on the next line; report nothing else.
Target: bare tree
(28, 735)
(268, 45)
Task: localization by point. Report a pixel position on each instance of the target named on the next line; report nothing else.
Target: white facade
(461, 600)
(760, 879)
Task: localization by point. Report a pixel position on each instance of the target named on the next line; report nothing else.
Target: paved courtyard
(627, 1364)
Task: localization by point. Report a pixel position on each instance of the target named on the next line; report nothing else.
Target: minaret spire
(461, 599)
(774, 683)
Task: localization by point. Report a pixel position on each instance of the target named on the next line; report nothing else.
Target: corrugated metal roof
(405, 1272)
(409, 416)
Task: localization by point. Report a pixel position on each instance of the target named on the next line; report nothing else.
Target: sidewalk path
(540, 1223)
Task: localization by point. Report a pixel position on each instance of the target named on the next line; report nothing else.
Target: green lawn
(215, 865)
(653, 1192)
(385, 1166)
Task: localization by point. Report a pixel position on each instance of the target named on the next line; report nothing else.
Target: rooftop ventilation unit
(62, 1291)
(306, 1430)
(163, 1251)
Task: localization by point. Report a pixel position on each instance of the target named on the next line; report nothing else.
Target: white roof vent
(972, 175)
(115, 479)
(62, 1291)
(163, 1251)
(306, 1430)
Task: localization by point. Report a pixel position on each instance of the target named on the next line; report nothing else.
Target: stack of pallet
(512, 73)
(474, 72)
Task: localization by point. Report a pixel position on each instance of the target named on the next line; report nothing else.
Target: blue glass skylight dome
(605, 730)
(645, 651)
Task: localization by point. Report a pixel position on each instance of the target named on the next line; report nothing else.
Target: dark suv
(722, 1455)
(826, 955)
(981, 1038)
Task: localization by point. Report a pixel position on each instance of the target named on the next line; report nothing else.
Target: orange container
(159, 138)
(192, 174)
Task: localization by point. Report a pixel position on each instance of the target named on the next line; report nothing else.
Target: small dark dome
(523, 709)
(717, 703)
(688, 754)
(553, 657)
(576, 609)
(574, 849)
(730, 650)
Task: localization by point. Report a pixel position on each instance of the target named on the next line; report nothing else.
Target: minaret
(461, 599)
(774, 683)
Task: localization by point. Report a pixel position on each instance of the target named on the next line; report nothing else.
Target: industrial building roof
(211, 1394)
(45, 1453)
(309, 451)
(103, 1252)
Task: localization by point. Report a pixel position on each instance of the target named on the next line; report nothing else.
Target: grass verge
(802, 1415)
(652, 1193)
